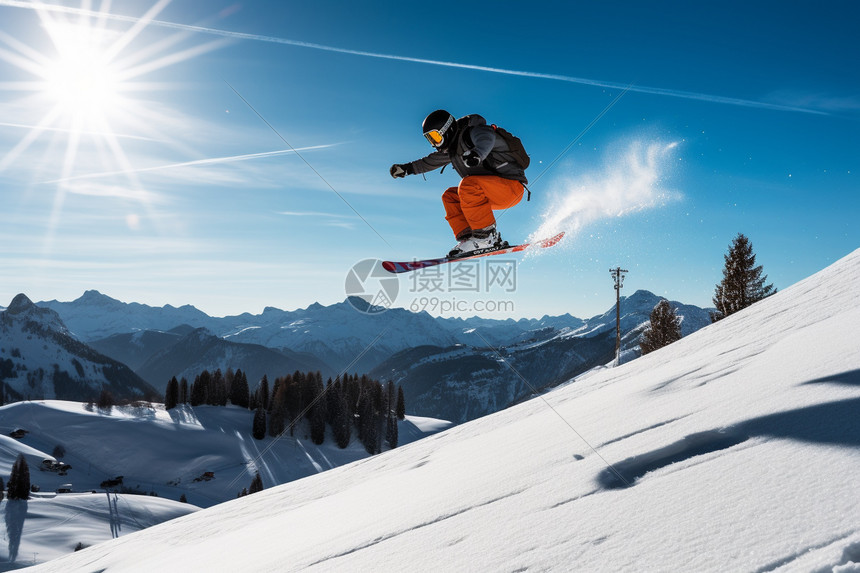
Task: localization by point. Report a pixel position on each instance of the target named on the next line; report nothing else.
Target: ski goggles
(437, 136)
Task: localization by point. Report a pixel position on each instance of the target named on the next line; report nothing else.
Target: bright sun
(81, 79)
(75, 96)
(83, 84)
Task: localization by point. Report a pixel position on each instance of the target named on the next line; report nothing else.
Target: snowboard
(408, 266)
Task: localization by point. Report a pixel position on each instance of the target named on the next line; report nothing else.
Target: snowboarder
(492, 177)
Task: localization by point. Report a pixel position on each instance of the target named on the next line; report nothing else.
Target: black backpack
(515, 146)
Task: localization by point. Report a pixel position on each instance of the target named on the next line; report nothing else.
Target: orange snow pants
(470, 206)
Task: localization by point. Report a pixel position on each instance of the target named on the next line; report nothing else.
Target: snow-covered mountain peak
(21, 303)
(46, 361)
(95, 297)
(33, 317)
(94, 315)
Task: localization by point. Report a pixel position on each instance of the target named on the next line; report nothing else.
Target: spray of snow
(630, 180)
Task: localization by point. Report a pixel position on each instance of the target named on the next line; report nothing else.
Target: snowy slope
(48, 526)
(166, 452)
(156, 452)
(741, 445)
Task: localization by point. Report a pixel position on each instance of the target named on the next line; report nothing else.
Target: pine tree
(183, 499)
(293, 399)
(380, 409)
(229, 377)
(391, 433)
(665, 328)
(105, 400)
(2, 487)
(743, 283)
(259, 426)
(371, 415)
(391, 430)
(171, 395)
(19, 479)
(318, 417)
(218, 394)
(263, 392)
(256, 484)
(331, 403)
(277, 413)
(239, 393)
(197, 395)
(401, 404)
(352, 391)
(183, 391)
(341, 422)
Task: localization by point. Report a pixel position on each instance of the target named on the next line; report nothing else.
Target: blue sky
(143, 173)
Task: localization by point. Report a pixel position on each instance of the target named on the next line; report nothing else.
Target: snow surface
(735, 449)
(165, 452)
(48, 526)
(156, 451)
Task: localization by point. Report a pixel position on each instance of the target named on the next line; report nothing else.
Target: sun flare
(80, 79)
(75, 91)
(84, 78)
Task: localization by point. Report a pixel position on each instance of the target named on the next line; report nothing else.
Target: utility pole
(618, 274)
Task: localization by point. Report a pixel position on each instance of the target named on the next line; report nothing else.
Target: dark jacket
(474, 135)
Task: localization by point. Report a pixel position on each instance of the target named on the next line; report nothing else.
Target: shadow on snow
(833, 423)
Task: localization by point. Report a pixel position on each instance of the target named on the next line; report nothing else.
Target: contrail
(66, 130)
(521, 73)
(195, 163)
(311, 214)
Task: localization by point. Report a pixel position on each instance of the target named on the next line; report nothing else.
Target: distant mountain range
(450, 368)
(337, 335)
(476, 378)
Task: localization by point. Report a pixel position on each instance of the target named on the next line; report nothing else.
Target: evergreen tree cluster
(212, 389)
(743, 284)
(256, 485)
(353, 405)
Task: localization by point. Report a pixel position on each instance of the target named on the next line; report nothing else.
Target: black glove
(401, 170)
(471, 159)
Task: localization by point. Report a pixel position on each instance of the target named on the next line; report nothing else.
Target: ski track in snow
(413, 528)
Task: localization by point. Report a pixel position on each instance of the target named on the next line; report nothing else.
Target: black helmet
(440, 129)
